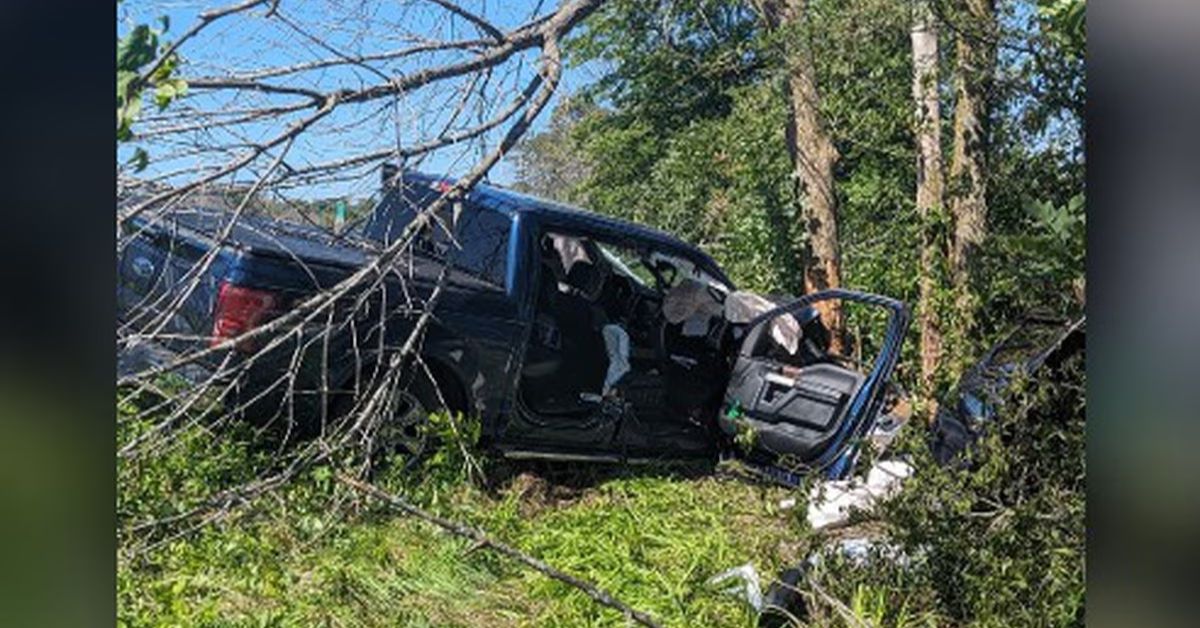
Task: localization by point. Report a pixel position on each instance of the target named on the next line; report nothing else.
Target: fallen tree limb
(483, 540)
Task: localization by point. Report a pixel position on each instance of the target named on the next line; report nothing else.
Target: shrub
(997, 541)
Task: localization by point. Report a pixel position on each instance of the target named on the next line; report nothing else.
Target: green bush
(999, 544)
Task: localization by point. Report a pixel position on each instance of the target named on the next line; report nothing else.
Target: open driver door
(792, 415)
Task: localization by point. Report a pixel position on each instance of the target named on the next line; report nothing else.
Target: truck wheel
(405, 430)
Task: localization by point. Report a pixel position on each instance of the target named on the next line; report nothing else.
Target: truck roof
(512, 202)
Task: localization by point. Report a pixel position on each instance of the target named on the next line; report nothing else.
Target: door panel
(809, 415)
(812, 399)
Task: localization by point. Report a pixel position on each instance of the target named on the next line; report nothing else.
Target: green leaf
(167, 91)
(123, 122)
(164, 93)
(127, 112)
(133, 108)
(137, 48)
(124, 79)
(140, 160)
(164, 70)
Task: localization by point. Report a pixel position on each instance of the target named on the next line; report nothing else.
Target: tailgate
(156, 270)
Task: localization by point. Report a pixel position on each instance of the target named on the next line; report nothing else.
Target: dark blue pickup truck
(572, 336)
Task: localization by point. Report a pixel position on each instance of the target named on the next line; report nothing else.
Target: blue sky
(249, 41)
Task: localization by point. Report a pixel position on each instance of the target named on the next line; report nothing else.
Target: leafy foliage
(686, 133)
(137, 52)
(1067, 20)
(1002, 543)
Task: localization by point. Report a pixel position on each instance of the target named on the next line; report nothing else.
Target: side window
(483, 235)
(396, 210)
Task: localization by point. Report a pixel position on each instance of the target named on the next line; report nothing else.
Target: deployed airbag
(689, 302)
(743, 307)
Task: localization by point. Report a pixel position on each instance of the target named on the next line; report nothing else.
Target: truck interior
(600, 330)
(625, 323)
(679, 353)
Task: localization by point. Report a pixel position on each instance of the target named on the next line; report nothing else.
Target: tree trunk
(968, 190)
(930, 186)
(813, 157)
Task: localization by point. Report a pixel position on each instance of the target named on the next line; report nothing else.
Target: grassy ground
(1000, 544)
(316, 554)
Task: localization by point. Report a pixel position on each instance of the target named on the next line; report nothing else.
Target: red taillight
(240, 309)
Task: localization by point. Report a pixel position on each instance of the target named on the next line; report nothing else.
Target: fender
(452, 358)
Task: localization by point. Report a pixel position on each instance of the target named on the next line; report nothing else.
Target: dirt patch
(534, 493)
(871, 529)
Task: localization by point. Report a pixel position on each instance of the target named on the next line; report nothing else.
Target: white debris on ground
(747, 586)
(831, 502)
(861, 551)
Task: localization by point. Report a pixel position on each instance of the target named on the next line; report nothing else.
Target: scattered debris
(860, 551)
(783, 604)
(830, 503)
(748, 587)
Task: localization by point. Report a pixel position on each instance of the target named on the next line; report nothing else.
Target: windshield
(648, 268)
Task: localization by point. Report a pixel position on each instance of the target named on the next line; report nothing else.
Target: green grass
(1000, 545)
(315, 553)
(651, 540)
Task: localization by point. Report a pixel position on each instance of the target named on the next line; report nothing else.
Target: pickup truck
(571, 335)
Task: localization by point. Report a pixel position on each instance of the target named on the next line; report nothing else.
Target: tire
(405, 435)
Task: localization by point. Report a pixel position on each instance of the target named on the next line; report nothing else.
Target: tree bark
(813, 156)
(930, 185)
(974, 62)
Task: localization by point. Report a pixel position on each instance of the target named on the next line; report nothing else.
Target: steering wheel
(661, 283)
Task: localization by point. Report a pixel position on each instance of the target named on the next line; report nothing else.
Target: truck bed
(265, 236)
